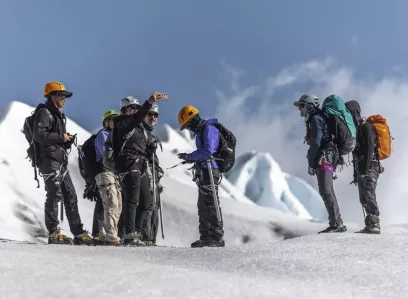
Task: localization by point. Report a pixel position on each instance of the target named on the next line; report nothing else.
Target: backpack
(225, 155)
(28, 131)
(383, 134)
(87, 163)
(109, 154)
(340, 123)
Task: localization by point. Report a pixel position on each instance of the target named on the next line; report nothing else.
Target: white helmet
(127, 101)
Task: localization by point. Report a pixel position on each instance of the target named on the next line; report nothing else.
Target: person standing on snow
(207, 141)
(130, 147)
(366, 168)
(320, 145)
(147, 214)
(108, 186)
(50, 133)
(124, 103)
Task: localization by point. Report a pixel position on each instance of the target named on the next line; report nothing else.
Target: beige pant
(110, 192)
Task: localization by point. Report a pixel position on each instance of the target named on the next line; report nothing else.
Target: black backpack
(88, 166)
(28, 127)
(225, 155)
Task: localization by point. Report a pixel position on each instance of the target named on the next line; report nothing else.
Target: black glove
(182, 156)
(91, 193)
(151, 147)
(160, 188)
(159, 173)
(68, 144)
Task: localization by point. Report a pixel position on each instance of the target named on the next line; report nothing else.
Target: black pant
(210, 227)
(326, 190)
(145, 206)
(151, 222)
(97, 217)
(367, 184)
(131, 186)
(59, 186)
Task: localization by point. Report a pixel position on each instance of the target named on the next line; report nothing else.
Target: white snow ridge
(261, 179)
(271, 250)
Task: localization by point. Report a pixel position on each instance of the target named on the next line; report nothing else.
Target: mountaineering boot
(58, 238)
(115, 243)
(150, 243)
(98, 241)
(216, 243)
(133, 239)
(371, 229)
(200, 243)
(84, 239)
(334, 229)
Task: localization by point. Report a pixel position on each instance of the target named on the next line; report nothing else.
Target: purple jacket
(99, 143)
(211, 137)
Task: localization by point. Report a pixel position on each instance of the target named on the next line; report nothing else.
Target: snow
(315, 266)
(22, 204)
(260, 178)
(308, 196)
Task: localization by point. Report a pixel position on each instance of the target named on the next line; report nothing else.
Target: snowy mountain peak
(261, 179)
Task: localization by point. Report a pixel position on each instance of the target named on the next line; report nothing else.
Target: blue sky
(104, 50)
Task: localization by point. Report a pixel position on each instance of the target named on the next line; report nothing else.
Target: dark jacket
(135, 146)
(366, 140)
(207, 141)
(151, 148)
(319, 140)
(49, 130)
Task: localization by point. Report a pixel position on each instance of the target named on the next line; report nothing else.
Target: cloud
(276, 127)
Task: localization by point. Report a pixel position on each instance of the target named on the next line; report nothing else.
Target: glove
(311, 171)
(182, 156)
(151, 148)
(160, 188)
(91, 193)
(159, 172)
(67, 145)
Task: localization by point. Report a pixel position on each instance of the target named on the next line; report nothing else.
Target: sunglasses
(133, 107)
(302, 105)
(155, 115)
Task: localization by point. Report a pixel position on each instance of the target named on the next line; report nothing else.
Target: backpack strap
(126, 139)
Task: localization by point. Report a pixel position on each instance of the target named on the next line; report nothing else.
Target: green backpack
(340, 123)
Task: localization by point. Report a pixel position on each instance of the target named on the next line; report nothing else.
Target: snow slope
(261, 179)
(21, 203)
(315, 266)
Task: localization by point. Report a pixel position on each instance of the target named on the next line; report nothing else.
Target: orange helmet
(57, 88)
(185, 115)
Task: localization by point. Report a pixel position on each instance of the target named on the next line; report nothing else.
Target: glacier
(260, 178)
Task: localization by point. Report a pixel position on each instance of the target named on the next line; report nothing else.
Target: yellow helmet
(108, 114)
(185, 115)
(57, 88)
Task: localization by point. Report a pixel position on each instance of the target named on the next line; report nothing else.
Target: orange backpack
(383, 134)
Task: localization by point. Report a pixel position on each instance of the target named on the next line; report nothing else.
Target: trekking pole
(217, 208)
(155, 195)
(181, 163)
(62, 209)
